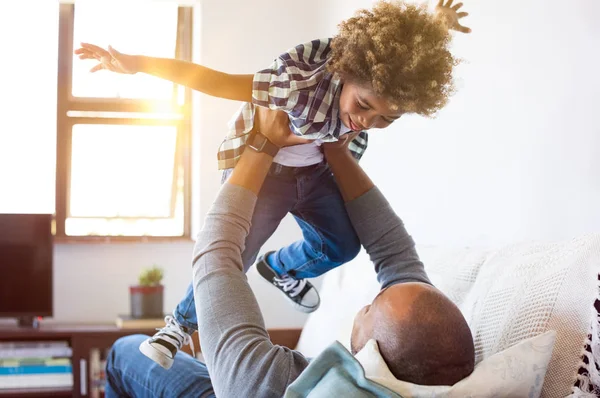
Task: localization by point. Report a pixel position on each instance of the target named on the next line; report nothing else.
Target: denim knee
(120, 348)
(344, 251)
(114, 386)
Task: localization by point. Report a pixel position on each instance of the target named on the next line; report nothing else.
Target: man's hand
(275, 125)
(339, 147)
(451, 15)
(109, 59)
(350, 177)
(342, 143)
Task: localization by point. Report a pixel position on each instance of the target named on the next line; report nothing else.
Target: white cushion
(506, 295)
(517, 371)
(526, 289)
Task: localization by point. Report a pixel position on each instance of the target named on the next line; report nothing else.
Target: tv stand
(86, 342)
(29, 322)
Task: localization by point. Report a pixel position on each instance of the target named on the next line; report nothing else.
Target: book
(127, 322)
(19, 381)
(12, 362)
(33, 369)
(34, 349)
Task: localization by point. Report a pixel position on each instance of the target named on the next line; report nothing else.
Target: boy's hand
(275, 125)
(451, 15)
(110, 60)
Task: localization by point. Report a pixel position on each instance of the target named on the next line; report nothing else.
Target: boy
(384, 62)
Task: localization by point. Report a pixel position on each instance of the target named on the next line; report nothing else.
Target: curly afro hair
(401, 51)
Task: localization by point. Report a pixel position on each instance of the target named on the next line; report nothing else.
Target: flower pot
(146, 301)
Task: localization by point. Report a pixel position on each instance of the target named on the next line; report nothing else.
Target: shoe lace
(174, 329)
(291, 285)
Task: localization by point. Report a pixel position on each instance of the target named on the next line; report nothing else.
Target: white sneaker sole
(155, 355)
(301, 308)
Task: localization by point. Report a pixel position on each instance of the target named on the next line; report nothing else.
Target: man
(421, 335)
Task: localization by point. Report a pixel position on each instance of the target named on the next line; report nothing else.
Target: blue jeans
(312, 196)
(130, 374)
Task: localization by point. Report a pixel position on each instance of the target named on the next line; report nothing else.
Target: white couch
(507, 295)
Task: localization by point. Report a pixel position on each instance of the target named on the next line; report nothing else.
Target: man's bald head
(421, 334)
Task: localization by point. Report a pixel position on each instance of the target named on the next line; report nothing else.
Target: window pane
(122, 181)
(148, 28)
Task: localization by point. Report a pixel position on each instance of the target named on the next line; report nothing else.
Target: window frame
(122, 109)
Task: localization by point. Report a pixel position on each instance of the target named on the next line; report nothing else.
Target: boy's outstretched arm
(200, 78)
(194, 76)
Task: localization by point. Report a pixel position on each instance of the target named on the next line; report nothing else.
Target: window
(123, 141)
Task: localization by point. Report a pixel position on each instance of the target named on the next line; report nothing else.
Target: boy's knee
(122, 348)
(346, 251)
(117, 361)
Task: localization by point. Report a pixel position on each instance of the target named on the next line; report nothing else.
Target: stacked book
(35, 364)
(129, 322)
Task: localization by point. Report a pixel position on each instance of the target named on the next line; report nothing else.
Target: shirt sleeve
(284, 85)
(239, 355)
(382, 233)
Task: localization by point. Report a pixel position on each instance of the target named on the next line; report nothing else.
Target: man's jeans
(130, 374)
(312, 196)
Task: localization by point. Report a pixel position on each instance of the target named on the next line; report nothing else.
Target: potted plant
(146, 298)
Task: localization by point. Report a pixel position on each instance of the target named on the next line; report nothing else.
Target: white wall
(516, 154)
(27, 85)
(91, 280)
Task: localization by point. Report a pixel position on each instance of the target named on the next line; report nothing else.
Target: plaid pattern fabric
(298, 83)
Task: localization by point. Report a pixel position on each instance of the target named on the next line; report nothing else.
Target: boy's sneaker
(301, 293)
(162, 347)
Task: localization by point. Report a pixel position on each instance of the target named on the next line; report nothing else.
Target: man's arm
(239, 355)
(352, 180)
(380, 230)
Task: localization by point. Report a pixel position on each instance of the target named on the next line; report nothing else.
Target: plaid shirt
(298, 83)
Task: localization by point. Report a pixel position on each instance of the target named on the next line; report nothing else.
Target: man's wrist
(258, 157)
(336, 153)
(257, 142)
(251, 170)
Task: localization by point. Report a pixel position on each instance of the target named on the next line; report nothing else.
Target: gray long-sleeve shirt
(239, 355)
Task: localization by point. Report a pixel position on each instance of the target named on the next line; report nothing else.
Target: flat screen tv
(26, 250)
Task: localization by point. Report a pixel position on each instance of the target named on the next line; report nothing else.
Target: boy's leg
(329, 237)
(185, 312)
(130, 374)
(275, 200)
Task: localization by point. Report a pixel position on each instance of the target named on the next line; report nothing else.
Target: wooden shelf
(66, 331)
(85, 338)
(81, 338)
(36, 392)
